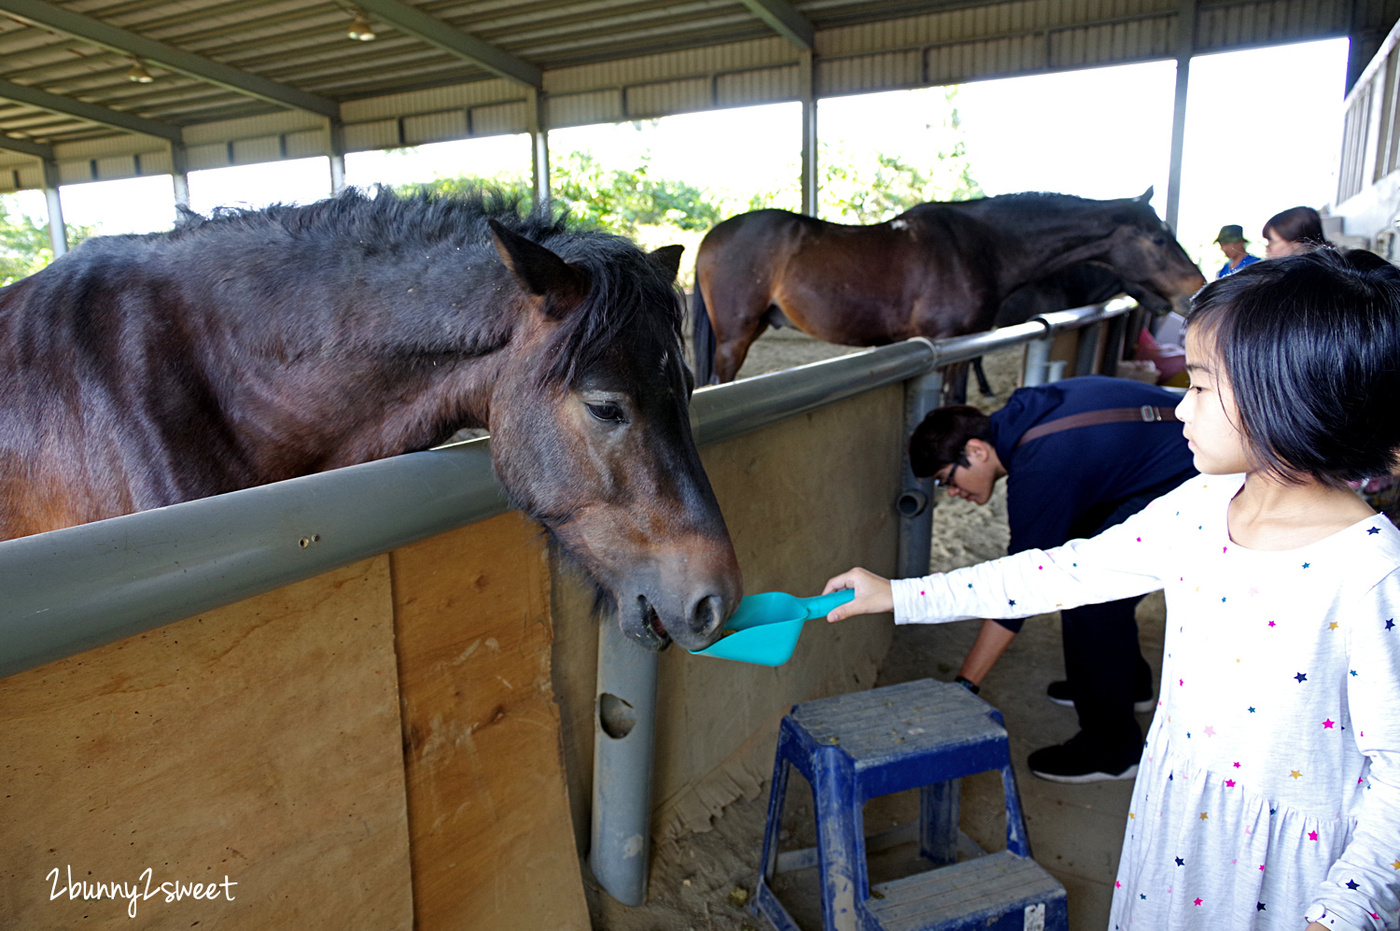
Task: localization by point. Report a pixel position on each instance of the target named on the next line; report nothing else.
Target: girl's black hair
(1297, 224)
(1311, 346)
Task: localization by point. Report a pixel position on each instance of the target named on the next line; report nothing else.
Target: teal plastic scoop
(765, 627)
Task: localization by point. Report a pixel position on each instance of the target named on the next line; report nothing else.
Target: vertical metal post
(58, 233)
(180, 174)
(807, 83)
(1185, 46)
(624, 736)
(539, 144)
(1038, 359)
(1086, 351)
(915, 503)
(337, 157)
(1113, 345)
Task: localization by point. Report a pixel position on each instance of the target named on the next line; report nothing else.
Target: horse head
(591, 434)
(1143, 251)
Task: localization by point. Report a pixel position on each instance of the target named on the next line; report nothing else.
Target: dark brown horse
(139, 371)
(936, 270)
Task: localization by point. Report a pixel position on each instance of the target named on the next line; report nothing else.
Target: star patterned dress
(1268, 794)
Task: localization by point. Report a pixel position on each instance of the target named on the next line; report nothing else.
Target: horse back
(855, 285)
(104, 406)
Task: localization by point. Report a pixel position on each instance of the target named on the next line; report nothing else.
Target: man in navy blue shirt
(1078, 455)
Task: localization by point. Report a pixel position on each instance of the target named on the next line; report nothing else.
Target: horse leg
(955, 383)
(983, 385)
(731, 351)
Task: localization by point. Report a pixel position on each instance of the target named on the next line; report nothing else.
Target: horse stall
(370, 698)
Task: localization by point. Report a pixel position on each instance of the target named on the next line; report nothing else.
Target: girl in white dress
(1268, 793)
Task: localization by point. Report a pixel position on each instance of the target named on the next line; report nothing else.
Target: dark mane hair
(625, 290)
(383, 218)
(1309, 345)
(940, 438)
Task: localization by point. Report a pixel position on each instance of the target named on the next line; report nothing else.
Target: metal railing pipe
(70, 590)
(720, 412)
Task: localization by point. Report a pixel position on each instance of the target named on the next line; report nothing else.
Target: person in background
(1236, 248)
(1068, 478)
(1295, 230)
(1269, 788)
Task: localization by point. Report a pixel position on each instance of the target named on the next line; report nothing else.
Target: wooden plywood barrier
(377, 747)
(257, 744)
(488, 810)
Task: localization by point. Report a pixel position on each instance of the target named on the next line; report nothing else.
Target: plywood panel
(492, 841)
(258, 743)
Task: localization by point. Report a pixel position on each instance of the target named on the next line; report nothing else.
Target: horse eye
(607, 412)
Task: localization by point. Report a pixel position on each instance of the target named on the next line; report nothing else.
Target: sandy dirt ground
(702, 881)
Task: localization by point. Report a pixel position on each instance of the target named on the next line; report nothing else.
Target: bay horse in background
(254, 346)
(1076, 286)
(937, 270)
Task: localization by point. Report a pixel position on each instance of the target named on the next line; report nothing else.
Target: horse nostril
(708, 614)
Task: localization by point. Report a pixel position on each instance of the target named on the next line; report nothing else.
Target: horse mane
(624, 297)
(1032, 202)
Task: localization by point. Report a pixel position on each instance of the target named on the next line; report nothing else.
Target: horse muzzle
(672, 601)
(654, 621)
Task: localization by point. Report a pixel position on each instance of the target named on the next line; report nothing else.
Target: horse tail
(702, 342)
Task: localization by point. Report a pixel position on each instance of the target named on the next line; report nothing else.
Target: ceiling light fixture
(138, 73)
(360, 28)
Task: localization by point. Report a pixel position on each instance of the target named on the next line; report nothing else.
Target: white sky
(1263, 133)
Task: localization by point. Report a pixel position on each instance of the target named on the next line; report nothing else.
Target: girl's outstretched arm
(872, 594)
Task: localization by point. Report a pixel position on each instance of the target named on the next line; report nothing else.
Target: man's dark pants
(1103, 661)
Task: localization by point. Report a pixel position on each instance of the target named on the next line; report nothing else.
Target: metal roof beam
(187, 63)
(454, 41)
(70, 106)
(784, 19)
(36, 149)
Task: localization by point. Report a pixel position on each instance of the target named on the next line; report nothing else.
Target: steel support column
(180, 175)
(58, 233)
(807, 81)
(1185, 47)
(337, 156)
(539, 144)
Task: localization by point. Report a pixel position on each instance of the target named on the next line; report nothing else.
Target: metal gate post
(915, 503)
(624, 735)
(1038, 357)
(1086, 352)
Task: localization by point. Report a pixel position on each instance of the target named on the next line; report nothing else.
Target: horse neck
(378, 374)
(1040, 244)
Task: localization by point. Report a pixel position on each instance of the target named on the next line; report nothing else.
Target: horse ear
(1145, 198)
(539, 271)
(667, 260)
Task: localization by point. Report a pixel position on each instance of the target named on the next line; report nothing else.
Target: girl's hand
(873, 595)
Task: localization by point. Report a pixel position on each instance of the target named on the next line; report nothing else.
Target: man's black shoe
(1080, 760)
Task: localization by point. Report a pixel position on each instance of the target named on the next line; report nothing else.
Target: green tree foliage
(24, 246)
(865, 190)
(24, 243)
(871, 187)
(607, 199)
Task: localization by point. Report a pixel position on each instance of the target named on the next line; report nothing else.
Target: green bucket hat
(1231, 232)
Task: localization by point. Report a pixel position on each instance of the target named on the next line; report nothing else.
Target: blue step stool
(922, 735)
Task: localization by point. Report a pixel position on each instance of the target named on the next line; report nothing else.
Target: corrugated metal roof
(250, 80)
